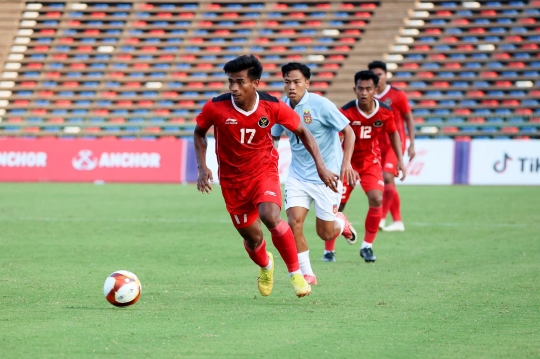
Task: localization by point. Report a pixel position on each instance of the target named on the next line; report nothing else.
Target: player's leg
(245, 218)
(297, 203)
(345, 195)
(391, 200)
(267, 196)
(389, 162)
(330, 223)
(373, 184)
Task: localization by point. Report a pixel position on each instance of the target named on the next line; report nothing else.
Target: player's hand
(401, 167)
(204, 179)
(411, 152)
(329, 178)
(348, 175)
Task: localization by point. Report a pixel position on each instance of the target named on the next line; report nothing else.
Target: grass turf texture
(461, 282)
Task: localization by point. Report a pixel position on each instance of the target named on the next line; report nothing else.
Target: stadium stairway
(10, 14)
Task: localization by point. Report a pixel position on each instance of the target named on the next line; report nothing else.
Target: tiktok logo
(500, 166)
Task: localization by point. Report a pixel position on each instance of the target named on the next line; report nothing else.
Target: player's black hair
(291, 66)
(377, 65)
(366, 75)
(245, 62)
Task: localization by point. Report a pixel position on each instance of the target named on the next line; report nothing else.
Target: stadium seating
(91, 68)
(473, 63)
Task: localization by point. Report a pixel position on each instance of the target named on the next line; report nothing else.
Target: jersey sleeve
(404, 106)
(333, 117)
(205, 119)
(277, 130)
(287, 117)
(390, 125)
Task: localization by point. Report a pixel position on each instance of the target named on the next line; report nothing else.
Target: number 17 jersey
(244, 146)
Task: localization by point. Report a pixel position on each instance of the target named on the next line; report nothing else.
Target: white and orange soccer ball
(122, 288)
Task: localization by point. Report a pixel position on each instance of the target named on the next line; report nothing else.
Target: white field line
(214, 220)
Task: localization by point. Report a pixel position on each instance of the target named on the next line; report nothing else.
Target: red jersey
(399, 102)
(244, 145)
(368, 129)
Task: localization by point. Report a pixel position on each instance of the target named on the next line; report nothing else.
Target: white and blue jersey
(324, 121)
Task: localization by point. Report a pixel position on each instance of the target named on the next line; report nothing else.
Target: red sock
(258, 255)
(283, 240)
(388, 198)
(330, 245)
(395, 208)
(373, 219)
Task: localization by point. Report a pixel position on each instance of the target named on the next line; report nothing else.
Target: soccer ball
(122, 288)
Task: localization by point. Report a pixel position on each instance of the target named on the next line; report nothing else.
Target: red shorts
(389, 161)
(370, 179)
(242, 202)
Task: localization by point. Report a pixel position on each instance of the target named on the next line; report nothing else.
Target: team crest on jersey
(335, 208)
(307, 117)
(377, 123)
(388, 101)
(264, 122)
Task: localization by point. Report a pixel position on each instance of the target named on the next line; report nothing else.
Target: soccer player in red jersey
(248, 166)
(369, 118)
(399, 102)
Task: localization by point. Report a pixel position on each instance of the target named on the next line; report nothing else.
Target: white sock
(341, 224)
(382, 223)
(325, 251)
(305, 264)
(269, 266)
(366, 245)
(295, 272)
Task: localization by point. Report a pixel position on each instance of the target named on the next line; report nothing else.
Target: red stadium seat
(63, 103)
(530, 46)
(100, 111)
(133, 84)
(117, 120)
(145, 103)
(52, 75)
(475, 93)
(272, 23)
(501, 56)
(517, 65)
(304, 40)
(146, 6)
(213, 6)
(162, 111)
(477, 30)
(56, 120)
(47, 31)
(131, 40)
(38, 111)
(186, 103)
(177, 120)
(164, 15)
(205, 23)
(488, 13)
(31, 129)
(524, 111)
(157, 32)
(125, 103)
(510, 103)
(188, 57)
(323, 6)
(196, 40)
(214, 48)
(248, 23)
(535, 120)
(141, 65)
(205, 66)
(179, 74)
(421, 47)
(461, 21)
(85, 48)
(152, 129)
(490, 103)
(399, 84)
(527, 20)
(186, 15)
(425, 74)
(450, 129)
(53, 14)
(477, 120)
(452, 65)
(91, 32)
(287, 32)
(535, 93)
(514, 38)
(222, 32)
(466, 47)
(411, 65)
(443, 13)
(21, 102)
(489, 74)
(320, 84)
(414, 94)
(345, 6)
(462, 138)
(364, 14)
(35, 65)
(216, 84)
(124, 57)
(149, 48)
(437, 56)
(368, 6)
(294, 57)
(195, 84)
(510, 129)
(166, 57)
(139, 23)
(280, 6)
(59, 56)
(297, 14)
(108, 94)
(78, 65)
(503, 84)
(41, 48)
(65, 40)
(278, 48)
(428, 103)
(433, 31)
(449, 39)
(169, 94)
(419, 120)
(336, 57)
(348, 40)
(98, 14)
(116, 74)
(325, 75)
(354, 23)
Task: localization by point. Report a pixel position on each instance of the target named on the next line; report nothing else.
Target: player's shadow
(88, 308)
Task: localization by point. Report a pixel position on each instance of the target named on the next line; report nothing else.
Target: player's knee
(295, 224)
(388, 178)
(375, 199)
(326, 234)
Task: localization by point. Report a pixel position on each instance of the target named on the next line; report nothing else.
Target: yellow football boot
(300, 286)
(265, 281)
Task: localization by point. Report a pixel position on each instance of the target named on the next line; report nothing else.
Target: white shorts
(302, 194)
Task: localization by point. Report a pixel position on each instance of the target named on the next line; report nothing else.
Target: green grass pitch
(462, 282)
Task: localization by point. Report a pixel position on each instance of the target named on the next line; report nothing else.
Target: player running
(303, 186)
(399, 102)
(248, 166)
(368, 118)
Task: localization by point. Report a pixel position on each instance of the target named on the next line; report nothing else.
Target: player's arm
(348, 174)
(277, 131)
(396, 146)
(205, 174)
(409, 120)
(328, 177)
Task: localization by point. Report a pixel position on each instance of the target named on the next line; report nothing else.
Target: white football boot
(395, 227)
